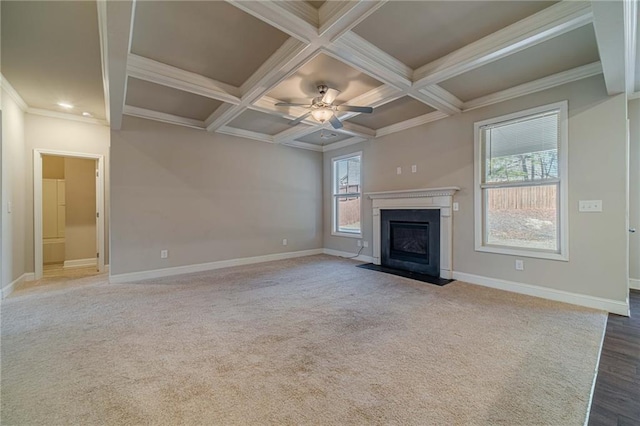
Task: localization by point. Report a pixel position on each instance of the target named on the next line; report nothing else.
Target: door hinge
(97, 214)
(98, 255)
(97, 173)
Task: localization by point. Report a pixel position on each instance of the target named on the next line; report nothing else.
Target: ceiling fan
(322, 108)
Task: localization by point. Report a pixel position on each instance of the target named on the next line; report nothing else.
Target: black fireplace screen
(410, 240)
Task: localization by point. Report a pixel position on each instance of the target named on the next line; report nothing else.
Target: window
(521, 183)
(347, 186)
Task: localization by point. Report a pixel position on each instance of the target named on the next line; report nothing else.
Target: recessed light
(65, 105)
(87, 114)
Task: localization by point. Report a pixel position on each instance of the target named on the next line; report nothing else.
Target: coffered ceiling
(223, 66)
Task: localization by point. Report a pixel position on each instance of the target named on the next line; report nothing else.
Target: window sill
(564, 257)
(347, 234)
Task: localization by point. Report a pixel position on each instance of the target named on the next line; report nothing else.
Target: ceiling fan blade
(299, 119)
(330, 96)
(366, 110)
(290, 104)
(335, 122)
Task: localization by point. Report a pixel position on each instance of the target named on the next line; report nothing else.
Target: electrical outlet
(456, 207)
(284, 242)
(398, 170)
(365, 243)
(590, 206)
(359, 243)
(519, 265)
(164, 254)
(414, 168)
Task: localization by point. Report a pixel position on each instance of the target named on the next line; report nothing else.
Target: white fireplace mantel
(416, 199)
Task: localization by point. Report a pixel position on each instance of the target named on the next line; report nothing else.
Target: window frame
(335, 196)
(562, 253)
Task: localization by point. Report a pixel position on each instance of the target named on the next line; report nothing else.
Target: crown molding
(438, 98)
(342, 144)
(545, 83)
(162, 117)
(535, 29)
(66, 116)
(413, 122)
(247, 134)
(304, 145)
(13, 94)
(167, 75)
(104, 54)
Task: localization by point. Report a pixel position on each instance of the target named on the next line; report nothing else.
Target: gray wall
(207, 197)
(14, 250)
(443, 152)
(634, 192)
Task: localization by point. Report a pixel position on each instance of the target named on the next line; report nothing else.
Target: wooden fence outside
(531, 197)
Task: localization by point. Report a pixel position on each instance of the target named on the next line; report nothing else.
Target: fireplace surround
(417, 199)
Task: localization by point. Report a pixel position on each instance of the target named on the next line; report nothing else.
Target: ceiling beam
(545, 83)
(631, 42)
(167, 75)
(163, 117)
(299, 21)
(224, 114)
(119, 21)
(339, 17)
(609, 24)
(438, 98)
(542, 26)
(297, 132)
(357, 130)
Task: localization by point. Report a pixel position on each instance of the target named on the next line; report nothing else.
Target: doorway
(63, 181)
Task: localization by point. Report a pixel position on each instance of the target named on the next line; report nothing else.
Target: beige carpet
(306, 341)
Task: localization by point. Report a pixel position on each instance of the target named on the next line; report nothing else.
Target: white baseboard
(79, 263)
(8, 289)
(609, 305)
(178, 270)
(346, 254)
(634, 283)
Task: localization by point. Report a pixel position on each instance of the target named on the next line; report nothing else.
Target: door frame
(37, 205)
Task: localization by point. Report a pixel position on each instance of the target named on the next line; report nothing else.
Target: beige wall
(443, 152)
(61, 135)
(13, 191)
(634, 191)
(52, 167)
(80, 198)
(207, 197)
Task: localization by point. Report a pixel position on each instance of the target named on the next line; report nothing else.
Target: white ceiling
(222, 66)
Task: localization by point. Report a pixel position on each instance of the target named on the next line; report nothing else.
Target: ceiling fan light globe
(322, 114)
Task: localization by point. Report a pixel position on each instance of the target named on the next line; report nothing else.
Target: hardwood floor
(616, 398)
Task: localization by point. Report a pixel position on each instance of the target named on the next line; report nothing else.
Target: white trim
(535, 29)
(341, 144)
(356, 130)
(166, 75)
(337, 18)
(347, 255)
(104, 53)
(13, 94)
(37, 205)
(80, 263)
(413, 122)
(438, 98)
(334, 228)
(563, 167)
(634, 283)
(446, 191)
(609, 25)
(630, 30)
(609, 305)
(545, 83)
(247, 134)
(162, 117)
(9, 288)
(66, 116)
(304, 145)
(201, 267)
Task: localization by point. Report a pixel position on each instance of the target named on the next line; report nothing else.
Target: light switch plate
(456, 207)
(414, 168)
(519, 265)
(398, 170)
(590, 206)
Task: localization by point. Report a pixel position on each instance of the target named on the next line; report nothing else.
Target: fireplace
(422, 230)
(410, 240)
